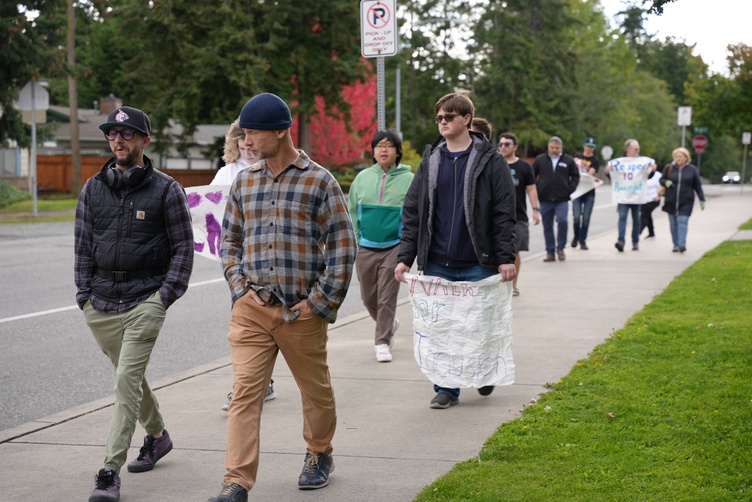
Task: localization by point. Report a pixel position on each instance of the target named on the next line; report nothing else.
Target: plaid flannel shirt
(289, 236)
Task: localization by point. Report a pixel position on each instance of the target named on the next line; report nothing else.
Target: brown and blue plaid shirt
(289, 237)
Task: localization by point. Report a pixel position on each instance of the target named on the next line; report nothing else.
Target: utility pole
(73, 102)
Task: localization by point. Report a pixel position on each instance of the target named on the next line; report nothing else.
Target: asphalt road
(49, 361)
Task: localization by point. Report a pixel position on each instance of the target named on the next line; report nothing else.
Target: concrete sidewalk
(389, 444)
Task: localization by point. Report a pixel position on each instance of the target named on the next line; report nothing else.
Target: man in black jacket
(133, 259)
(459, 213)
(556, 177)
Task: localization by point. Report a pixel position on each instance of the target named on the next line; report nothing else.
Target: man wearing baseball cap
(133, 259)
(582, 206)
(288, 251)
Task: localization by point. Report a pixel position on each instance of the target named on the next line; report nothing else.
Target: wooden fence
(54, 172)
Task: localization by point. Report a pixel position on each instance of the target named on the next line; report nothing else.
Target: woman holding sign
(682, 181)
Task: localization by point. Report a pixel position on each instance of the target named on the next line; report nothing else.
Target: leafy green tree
(526, 66)
(30, 48)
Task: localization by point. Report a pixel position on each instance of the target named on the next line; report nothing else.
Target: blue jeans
(474, 273)
(582, 208)
(678, 225)
(548, 211)
(624, 209)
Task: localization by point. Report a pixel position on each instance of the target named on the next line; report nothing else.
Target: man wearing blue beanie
(288, 251)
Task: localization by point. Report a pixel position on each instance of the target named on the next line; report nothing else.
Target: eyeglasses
(384, 146)
(126, 134)
(503, 144)
(448, 117)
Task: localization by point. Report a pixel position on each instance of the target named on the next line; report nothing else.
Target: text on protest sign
(629, 176)
(462, 330)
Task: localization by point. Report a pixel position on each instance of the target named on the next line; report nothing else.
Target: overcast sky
(712, 25)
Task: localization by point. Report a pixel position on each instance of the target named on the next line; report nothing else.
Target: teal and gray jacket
(375, 202)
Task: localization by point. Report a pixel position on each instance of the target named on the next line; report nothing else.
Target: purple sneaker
(106, 487)
(151, 452)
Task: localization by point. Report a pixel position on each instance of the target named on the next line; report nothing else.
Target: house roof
(89, 121)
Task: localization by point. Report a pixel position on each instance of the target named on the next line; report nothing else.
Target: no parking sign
(378, 28)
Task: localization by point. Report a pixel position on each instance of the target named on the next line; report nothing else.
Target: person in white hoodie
(237, 157)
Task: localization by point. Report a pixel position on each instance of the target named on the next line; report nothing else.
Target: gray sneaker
(270, 394)
(106, 486)
(151, 452)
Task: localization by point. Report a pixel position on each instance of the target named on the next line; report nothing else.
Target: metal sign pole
(684, 135)
(380, 70)
(33, 149)
(744, 165)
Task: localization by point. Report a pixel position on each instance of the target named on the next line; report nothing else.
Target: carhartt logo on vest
(629, 176)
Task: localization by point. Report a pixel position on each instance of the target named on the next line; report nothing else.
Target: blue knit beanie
(265, 112)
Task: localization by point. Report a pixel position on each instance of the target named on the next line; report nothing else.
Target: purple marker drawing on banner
(198, 246)
(194, 199)
(213, 234)
(215, 197)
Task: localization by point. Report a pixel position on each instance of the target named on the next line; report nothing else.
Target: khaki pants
(257, 334)
(128, 338)
(379, 288)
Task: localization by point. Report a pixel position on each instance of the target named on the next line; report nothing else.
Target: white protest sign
(462, 330)
(629, 176)
(207, 204)
(587, 182)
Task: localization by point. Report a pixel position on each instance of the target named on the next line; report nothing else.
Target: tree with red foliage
(337, 141)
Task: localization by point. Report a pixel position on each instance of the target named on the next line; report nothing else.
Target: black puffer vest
(131, 248)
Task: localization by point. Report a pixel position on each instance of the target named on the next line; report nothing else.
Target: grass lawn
(660, 411)
(12, 213)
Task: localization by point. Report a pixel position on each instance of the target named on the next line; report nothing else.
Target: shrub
(10, 194)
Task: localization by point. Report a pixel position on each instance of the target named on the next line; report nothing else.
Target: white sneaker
(383, 354)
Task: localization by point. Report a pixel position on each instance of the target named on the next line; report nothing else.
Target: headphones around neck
(132, 177)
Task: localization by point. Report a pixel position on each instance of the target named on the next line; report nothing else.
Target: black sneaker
(619, 246)
(106, 487)
(583, 246)
(442, 401)
(316, 470)
(575, 242)
(151, 452)
(486, 390)
(231, 492)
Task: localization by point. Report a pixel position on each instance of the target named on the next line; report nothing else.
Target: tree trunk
(73, 102)
(304, 132)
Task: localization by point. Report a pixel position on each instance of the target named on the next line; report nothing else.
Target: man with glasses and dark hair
(557, 176)
(375, 203)
(524, 185)
(458, 218)
(133, 259)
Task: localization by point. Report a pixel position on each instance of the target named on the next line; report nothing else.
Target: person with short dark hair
(133, 260)
(556, 177)
(482, 126)
(524, 185)
(288, 250)
(375, 200)
(459, 214)
(582, 206)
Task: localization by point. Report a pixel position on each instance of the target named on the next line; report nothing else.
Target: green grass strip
(660, 411)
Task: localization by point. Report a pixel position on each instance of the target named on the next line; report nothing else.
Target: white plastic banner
(587, 183)
(629, 176)
(207, 204)
(462, 330)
